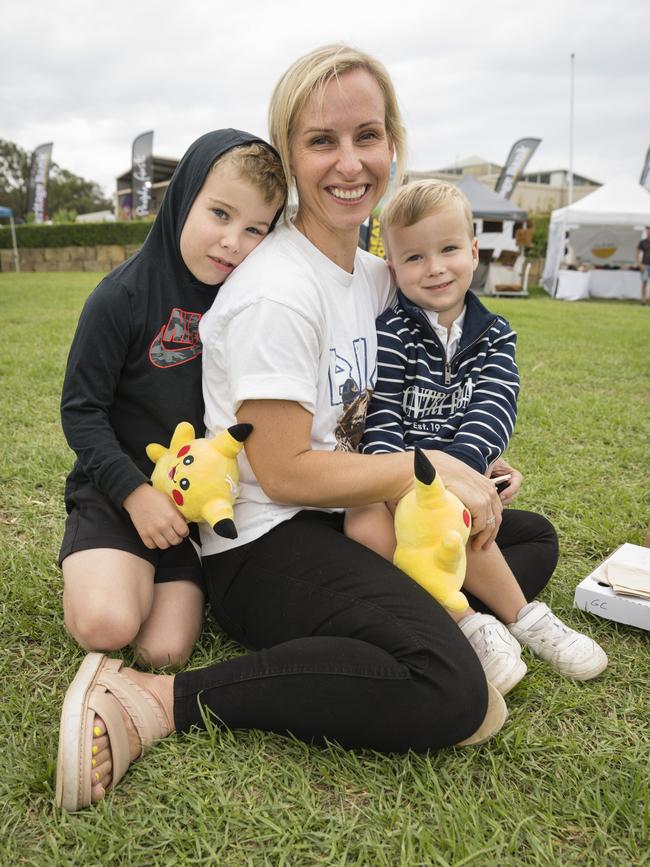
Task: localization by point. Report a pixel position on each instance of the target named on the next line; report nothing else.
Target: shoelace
(551, 623)
(486, 635)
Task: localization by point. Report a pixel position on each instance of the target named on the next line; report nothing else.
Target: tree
(66, 191)
(14, 175)
(69, 192)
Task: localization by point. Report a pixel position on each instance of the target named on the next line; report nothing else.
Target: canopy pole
(571, 99)
(13, 238)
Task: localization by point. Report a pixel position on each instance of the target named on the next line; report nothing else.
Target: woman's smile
(349, 195)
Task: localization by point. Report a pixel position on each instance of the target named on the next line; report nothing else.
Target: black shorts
(94, 522)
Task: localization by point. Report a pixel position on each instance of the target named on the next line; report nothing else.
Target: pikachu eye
(188, 460)
(184, 484)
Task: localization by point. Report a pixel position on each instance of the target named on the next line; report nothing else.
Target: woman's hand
(155, 517)
(476, 492)
(502, 468)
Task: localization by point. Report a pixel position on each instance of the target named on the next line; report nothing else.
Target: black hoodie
(134, 367)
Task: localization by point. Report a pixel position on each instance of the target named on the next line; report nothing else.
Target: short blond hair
(421, 199)
(310, 75)
(259, 164)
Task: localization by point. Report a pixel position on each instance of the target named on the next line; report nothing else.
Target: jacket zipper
(448, 364)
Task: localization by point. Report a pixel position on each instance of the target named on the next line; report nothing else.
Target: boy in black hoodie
(131, 573)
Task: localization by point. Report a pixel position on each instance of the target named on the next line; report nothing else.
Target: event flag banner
(520, 154)
(375, 241)
(37, 186)
(645, 174)
(142, 174)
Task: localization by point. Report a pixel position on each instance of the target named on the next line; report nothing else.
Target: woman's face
(341, 155)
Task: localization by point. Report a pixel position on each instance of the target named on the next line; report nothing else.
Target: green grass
(566, 782)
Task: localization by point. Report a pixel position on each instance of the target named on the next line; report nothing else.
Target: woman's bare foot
(161, 687)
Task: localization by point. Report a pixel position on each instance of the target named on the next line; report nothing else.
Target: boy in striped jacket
(447, 379)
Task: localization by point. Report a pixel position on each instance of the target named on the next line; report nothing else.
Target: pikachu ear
(155, 451)
(230, 442)
(423, 468)
(428, 485)
(183, 434)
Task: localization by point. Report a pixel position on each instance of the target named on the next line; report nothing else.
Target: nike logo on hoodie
(178, 340)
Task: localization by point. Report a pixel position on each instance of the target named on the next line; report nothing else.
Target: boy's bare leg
(107, 596)
(491, 580)
(110, 601)
(374, 527)
(171, 630)
(488, 576)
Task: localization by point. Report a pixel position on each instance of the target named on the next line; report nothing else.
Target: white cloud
(471, 77)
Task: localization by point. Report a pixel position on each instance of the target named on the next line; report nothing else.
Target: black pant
(346, 647)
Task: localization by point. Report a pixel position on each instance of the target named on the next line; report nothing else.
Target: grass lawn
(566, 782)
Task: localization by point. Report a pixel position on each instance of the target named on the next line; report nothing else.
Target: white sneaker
(499, 653)
(570, 653)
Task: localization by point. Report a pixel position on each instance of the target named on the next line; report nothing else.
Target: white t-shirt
(289, 324)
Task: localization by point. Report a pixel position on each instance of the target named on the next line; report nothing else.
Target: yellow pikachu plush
(201, 475)
(432, 527)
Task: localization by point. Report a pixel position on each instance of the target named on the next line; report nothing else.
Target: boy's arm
(384, 430)
(95, 362)
(489, 419)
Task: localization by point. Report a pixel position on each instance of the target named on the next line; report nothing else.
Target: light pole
(570, 202)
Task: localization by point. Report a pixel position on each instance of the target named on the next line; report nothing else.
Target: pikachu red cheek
(177, 497)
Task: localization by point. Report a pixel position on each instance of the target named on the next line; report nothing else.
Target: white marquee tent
(603, 228)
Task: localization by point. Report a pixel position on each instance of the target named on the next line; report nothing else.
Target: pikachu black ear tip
(240, 431)
(423, 468)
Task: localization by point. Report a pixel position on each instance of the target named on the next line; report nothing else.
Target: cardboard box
(597, 598)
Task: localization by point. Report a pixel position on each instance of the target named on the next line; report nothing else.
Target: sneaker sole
(495, 717)
(588, 673)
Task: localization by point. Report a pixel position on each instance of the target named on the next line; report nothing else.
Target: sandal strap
(533, 616)
(108, 708)
(146, 714)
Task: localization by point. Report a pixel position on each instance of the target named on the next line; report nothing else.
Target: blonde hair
(421, 199)
(261, 166)
(310, 75)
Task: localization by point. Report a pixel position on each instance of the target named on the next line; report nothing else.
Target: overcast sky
(472, 77)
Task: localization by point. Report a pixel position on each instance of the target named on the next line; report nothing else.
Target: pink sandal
(99, 688)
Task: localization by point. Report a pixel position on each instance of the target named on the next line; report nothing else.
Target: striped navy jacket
(466, 407)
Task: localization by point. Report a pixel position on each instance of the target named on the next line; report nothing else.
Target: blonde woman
(343, 646)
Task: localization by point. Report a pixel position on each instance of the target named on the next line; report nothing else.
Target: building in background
(536, 192)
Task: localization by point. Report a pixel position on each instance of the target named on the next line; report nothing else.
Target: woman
(355, 652)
